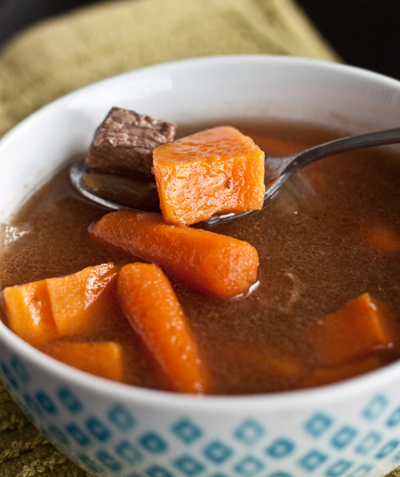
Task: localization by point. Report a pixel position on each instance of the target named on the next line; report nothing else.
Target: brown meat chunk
(124, 142)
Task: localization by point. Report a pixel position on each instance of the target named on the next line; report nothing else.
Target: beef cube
(124, 142)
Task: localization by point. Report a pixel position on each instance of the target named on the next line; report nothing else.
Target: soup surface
(316, 254)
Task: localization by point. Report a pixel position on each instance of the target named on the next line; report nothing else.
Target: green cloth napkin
(61, 55)
(65, 53)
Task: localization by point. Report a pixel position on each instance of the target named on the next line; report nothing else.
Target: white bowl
(350, 429)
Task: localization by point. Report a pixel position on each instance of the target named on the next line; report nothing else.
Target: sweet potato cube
(103, 359)
(321, 376)
(29, 312)
(214, 263)
(351, 333)
(80, 302)
(218, 170)
(149, 301)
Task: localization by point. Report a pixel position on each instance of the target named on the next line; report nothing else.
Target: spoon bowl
(114, 192)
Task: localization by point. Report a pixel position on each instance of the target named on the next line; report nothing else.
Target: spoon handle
(278, 170)
(346, 144)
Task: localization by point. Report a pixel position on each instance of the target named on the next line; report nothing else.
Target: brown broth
(313, 259)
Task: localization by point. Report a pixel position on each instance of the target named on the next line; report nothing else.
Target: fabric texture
(62, 54)
(58, 56)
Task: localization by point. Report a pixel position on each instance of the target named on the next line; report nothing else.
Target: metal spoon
(123, 193)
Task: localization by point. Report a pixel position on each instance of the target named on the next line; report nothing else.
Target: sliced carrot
(382, 238)
(103, 359)
(80, 302)
(352, 332)
(323, 376)
(29, 312)
(149, 301)
(214, 263)
(212, 171)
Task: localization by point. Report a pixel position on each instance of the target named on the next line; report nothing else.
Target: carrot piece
(212, 171)
(149, 301)
(323, 376)
(29, 312)
(80, 302)
(214, 263)
(382, 238)
(103, 359)
(352, 332)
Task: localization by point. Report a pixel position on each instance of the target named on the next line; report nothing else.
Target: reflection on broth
(331, 235)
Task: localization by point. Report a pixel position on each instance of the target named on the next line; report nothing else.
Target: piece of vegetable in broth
(69, 305)
(29, 313)
(104, 359)
(355, 331)
(218, 170)
(150, 304)
(216, 264)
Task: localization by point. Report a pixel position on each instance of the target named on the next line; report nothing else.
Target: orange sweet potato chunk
(214, 263)
(29, 312)
(80, 302)
(321, 376)
(149, 301)
(103, 359)
(352, 332)
(218, 170)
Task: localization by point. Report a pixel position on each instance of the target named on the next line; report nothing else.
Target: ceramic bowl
(349, 429)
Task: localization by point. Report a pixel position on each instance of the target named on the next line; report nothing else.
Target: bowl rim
(293, 399)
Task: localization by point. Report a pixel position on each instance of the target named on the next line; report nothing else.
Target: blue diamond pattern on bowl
(187, 431)
(128, 452)
(217, 452)
(77, 434)
(46, 402)
(318, 424)
(109, 460)
(368, 443)
(158, 471)
(33, 406)
(20, 370)
(394, 418)
(375, 407)
(249, 432)
(153, 442)
(387, 449)
(9, 376)
(312, 460)
(280, 448)
(249, 466)
(69, 400)
(189, 466)
(113, 442)
(361, 471)
(339, 468)
(343, 437)
(121, 418)
(97, 429)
